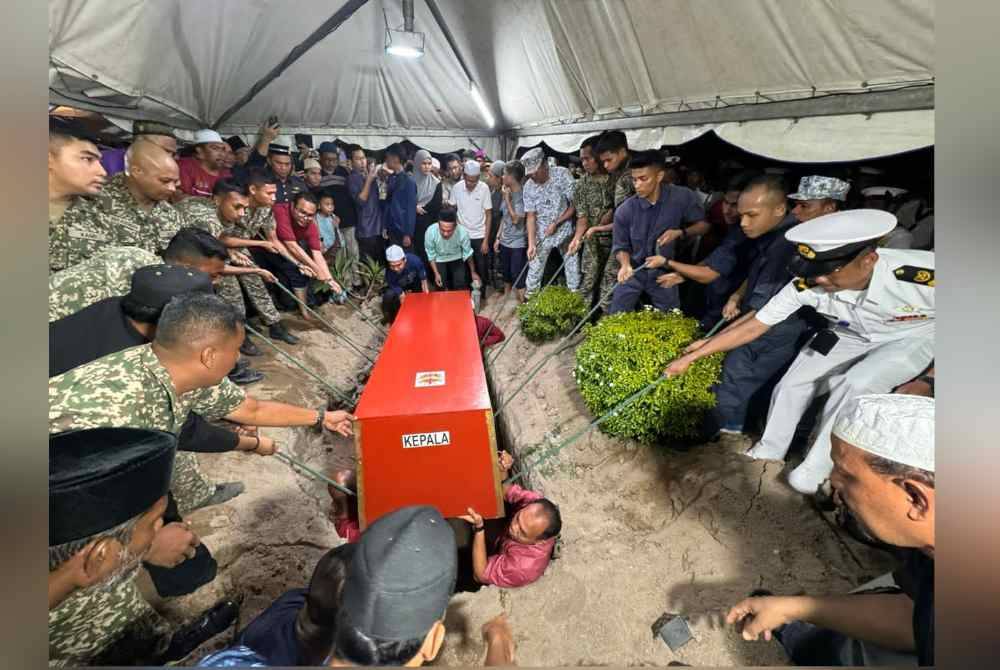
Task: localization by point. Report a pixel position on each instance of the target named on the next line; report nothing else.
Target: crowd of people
(158, 262)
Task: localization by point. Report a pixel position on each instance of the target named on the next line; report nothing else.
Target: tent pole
(328, 26)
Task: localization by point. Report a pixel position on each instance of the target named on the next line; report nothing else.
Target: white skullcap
(394, 253)
(895, 426)
(435, 163)
(879, 191)
(472, 168)
(206, 136)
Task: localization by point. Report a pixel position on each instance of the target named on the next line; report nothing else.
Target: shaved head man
(134, 210)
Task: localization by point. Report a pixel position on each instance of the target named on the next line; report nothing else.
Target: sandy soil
(646, 530)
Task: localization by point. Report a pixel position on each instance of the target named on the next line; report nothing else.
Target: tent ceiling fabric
(536, 62)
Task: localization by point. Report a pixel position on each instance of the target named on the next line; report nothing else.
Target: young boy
(329, 225)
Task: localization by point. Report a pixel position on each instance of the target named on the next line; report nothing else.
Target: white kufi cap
(894, 426)
(394, 253)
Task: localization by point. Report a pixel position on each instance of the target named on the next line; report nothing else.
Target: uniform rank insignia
(915, 275)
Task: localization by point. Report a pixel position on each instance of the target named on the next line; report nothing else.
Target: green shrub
(623, 353)
(550, 313)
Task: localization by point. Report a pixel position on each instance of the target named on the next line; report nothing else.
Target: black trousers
(481, 262)
(454, 275)
(372, 247)
(197, 435)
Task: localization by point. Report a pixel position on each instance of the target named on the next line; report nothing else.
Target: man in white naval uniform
(880, 307)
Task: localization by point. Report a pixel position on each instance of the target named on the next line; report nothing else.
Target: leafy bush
(550, 313)
(372, 274)
(623, 353)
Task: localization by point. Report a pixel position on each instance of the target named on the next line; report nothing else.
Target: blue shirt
(327, 231)
(400, 208)
(639, 222)
(409, 279)
(766, 259)
(369, 213)
(272, 633)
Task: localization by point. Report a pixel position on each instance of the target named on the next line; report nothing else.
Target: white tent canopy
(544, 68)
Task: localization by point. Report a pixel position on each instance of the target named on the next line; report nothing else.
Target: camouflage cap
(821, 188)
(152, 128)
(532, 160)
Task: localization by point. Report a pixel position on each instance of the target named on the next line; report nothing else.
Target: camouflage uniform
(130, 388)
(107, 274)
(89, 621)
(202, 213)
(112, 218)
(592, 199)
(624, 185)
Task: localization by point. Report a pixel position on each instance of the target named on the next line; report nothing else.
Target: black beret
(71, 127)
(154, 285)
(102, 477)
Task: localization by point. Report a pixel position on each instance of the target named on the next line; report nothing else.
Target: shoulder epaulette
(800, 284)
(915, 275)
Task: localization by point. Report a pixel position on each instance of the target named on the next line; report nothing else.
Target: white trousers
(852, 368)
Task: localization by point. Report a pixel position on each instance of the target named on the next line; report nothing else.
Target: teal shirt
(440, 250)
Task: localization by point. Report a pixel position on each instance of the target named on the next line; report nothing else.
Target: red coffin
(425, 434)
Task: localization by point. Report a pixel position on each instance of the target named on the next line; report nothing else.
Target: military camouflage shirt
(112, 218)
(84, 624)
(624, 185)
(255, 225)
(107, 274)
(593, 196)
(200, 213)
(131, 388)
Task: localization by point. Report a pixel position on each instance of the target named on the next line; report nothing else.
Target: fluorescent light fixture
(404, 44)
(484, 111)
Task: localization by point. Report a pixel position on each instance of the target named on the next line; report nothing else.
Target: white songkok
(895, 426)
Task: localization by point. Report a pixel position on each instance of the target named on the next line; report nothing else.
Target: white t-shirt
(472, 207)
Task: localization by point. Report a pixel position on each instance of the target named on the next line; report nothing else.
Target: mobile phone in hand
(272, 121)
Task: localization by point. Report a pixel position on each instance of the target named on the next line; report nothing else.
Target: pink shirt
(518, 564)
(194, 179)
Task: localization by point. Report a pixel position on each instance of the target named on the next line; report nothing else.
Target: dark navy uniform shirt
(638, 222)
(766, 259)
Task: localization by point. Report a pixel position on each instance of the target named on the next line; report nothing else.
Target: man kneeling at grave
(883, 456)
(519, 554)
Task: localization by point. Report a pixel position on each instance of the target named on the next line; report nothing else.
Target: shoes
(206, 626)
(249, 348)
(278, 331)
(730, 431)
(223, 493)
(806, 480)
(760, 453)
(245, 375)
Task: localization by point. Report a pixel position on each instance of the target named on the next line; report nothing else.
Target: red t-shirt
(194, 179)
(289, 231)
(483, 326)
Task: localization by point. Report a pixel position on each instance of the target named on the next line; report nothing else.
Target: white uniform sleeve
(785, 303)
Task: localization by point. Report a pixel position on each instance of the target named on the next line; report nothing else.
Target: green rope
(337, 392)
(294, 463)
(715, 328)
(513, 290)
(518, 329)
(559, 349)
(336, 331)
(549, 453)
(364, 317)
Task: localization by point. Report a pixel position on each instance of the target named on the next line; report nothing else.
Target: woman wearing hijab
(428, 199)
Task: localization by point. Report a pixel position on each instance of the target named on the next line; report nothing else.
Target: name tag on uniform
(436, 439)
(908, 317)
(87, 234)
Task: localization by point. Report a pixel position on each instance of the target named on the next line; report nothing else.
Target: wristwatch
(927, 379)
(320, 414)
(478, 529)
